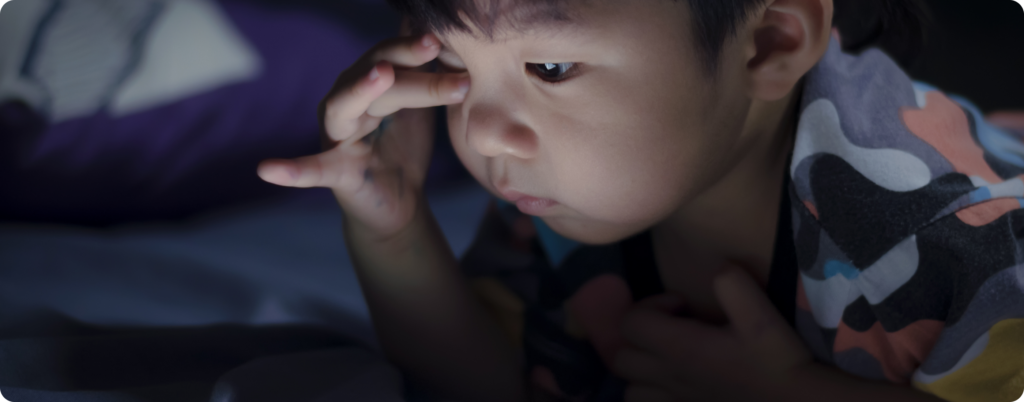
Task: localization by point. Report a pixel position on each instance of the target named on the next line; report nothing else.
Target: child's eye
(553, 72)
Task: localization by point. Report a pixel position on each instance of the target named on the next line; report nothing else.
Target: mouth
(528, 204)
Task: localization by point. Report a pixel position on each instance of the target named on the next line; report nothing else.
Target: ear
(784, 40)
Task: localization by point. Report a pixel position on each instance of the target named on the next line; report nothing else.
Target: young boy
(671, 165)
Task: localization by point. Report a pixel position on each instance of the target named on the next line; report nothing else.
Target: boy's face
(633, 131)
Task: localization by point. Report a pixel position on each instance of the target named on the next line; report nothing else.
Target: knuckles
(435, 85)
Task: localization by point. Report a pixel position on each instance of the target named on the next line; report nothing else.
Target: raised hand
(669, 358)
(377, 176)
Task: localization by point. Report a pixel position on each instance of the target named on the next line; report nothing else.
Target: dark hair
(898, 26)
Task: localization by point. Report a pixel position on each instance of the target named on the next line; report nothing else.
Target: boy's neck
(735, 219)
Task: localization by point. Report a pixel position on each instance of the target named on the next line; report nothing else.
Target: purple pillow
(188, 156)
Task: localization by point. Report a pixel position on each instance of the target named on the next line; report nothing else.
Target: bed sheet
(248, 304)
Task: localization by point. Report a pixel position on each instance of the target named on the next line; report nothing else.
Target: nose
(493, 131)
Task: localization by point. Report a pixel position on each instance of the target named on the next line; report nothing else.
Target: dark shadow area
(975, 49)
(86, 357)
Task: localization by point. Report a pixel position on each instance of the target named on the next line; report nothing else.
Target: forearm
(425, 316)
(819, 382)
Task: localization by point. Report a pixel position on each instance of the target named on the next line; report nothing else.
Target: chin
(594, 234)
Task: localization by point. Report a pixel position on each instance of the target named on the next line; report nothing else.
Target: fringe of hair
(897, 26)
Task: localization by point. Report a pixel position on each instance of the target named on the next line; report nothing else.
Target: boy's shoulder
(909, 227)
(879, 157)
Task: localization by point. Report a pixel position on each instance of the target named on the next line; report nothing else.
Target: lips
(528, 204)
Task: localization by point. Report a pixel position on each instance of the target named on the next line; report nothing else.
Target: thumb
(756, 322)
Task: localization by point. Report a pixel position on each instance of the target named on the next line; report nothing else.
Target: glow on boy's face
(632, 132)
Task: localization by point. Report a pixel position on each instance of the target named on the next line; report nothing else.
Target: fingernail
(428, 42)
(463, 89)
(374, 74)
(292, 173)
(281, 175)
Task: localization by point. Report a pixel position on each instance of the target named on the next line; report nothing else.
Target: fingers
(413, 90)
(750, 311)
(368, 78)
(337, 168)
(755, 320)
(357, 112)
(652, 322)
(661, 333)
(408, 51)
(635, 365)
(278, 171)
(353, 110)
(345, 111)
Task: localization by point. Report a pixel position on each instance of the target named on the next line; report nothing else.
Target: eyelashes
(553, 73)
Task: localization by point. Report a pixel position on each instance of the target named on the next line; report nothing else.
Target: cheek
(473, 161)
(636, 164)
(616, 192)
(624, 185)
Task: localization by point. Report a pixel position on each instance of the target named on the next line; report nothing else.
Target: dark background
(975, 49)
